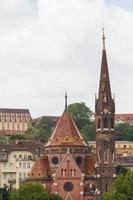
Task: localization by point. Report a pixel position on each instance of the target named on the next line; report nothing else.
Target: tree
(4, 193)
(53, 196)
(30, 191)
(33, 191)
(124, 132)
(121, 170)
(122, 189)
(81, 114)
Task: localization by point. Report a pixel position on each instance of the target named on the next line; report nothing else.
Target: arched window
(112, 123)
(105, 122)
(99, 123)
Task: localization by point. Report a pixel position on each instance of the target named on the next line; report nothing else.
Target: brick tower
(105, 132)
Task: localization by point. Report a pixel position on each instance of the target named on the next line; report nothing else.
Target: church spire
(104, 86)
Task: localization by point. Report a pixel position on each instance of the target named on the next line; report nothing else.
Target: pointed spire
(65, 101)
(104, 100)
(103, 39)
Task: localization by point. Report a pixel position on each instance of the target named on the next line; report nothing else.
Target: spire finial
(103, 39)
(66, 101)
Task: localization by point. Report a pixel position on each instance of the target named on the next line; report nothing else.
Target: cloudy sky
(49, 46)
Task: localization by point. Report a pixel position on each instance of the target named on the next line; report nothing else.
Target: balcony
(8, 169)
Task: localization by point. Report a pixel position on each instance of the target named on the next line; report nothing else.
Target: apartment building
(16, 160)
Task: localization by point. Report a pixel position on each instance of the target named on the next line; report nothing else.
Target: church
(68, 166)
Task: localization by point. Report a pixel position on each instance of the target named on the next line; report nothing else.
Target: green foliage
(81, 115)
(107, 196)
(39, 129)
(124, 132)
(4, 193)
(53, 196)
(122, 189)
(121, 170)
(33, 191)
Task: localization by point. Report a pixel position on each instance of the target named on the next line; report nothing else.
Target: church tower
(105, 132)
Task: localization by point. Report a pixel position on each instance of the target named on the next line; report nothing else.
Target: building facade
(16, 160)
(14, 121)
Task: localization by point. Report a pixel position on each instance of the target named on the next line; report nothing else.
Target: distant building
(14, 121)
(124, 118)
(16, 160)
(122, 148)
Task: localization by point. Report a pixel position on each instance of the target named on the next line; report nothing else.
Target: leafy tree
(121, 170)
(53, 196)
(4, 193)
(40, 129)
(33, 191)
(122, 189)
(81, 115)
(107, 196)
(124, 132)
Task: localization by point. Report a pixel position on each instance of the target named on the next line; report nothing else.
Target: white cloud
(48, 46)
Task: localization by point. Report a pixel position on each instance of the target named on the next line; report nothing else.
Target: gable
(68, 168)
(68, 197)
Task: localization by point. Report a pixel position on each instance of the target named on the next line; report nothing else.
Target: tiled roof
(66, 133)
(30, 145)
(14, 110)
(41, 168)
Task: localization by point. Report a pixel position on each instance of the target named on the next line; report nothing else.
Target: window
(20, 118)
(15, 115)
(14, 156)
(5, 117)
(55, 160)
(20, 157)
(68, 186)
(99, 124)
(10, 164)
(20, 175)
(105, 123)
(24, 165)
(29, 157)
(20, 165)
(28, 165)
(78, 160)
(4, 176)
(25, 118)
(25, 157)
(24, 175)
(10, 117)
(112, 123)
